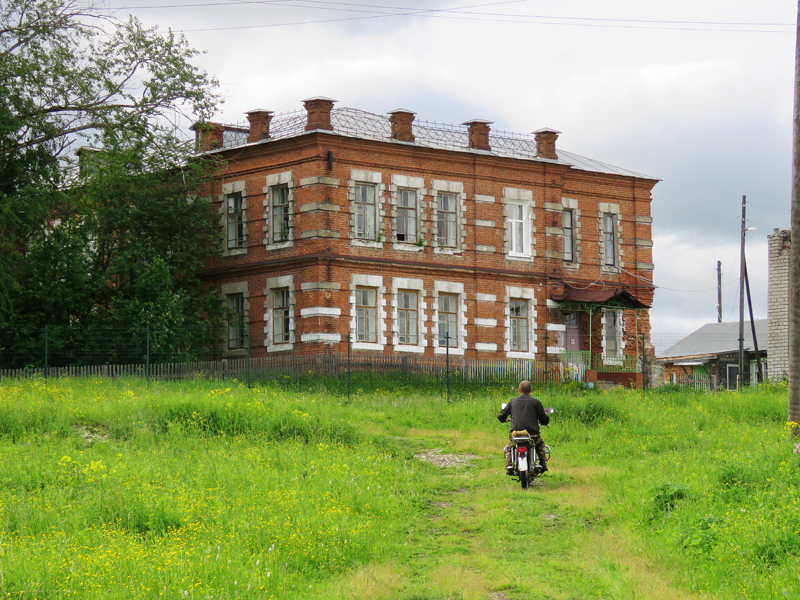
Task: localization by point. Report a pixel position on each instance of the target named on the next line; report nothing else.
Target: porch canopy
(589, 299)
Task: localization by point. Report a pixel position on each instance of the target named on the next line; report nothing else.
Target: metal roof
(718, 338)
(351, 122)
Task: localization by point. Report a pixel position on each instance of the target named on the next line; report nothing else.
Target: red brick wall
(330, 256)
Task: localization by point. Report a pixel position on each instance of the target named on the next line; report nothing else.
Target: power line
(462, 13)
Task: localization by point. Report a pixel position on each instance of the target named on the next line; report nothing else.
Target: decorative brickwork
(399, 243)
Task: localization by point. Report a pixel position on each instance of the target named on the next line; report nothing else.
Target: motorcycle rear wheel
(524, 480)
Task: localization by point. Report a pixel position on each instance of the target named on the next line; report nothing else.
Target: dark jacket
(526, 412)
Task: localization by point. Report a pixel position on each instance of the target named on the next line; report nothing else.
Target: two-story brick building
(422, 238)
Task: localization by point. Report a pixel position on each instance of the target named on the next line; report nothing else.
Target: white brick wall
(778, 304)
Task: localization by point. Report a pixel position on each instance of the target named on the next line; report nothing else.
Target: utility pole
(740, 377)
(794, 256)
(719, 291)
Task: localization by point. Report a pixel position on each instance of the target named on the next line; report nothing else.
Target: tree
(121, 240)
(69, 71)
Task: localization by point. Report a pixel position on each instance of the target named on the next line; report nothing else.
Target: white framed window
(233, 213)
(279, 194)
(235, 302)
(407, 216)
(366, 211)
(519, 223)
(367, 312)
(236, 322)
(408, 315)
(279, 211)
(568, 229)
(448, 216)
(446, 220)
(518, 317)
(520, 323)
(610, 232)
(279, 317)
(450, 318)
(236, 218)
(609, 239)
(281, 312)
(447, 325)
(407, 205)
(613, 343)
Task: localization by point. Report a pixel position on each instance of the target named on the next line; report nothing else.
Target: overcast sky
(695, 93)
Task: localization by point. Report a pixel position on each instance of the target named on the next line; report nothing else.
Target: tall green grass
(210, 490)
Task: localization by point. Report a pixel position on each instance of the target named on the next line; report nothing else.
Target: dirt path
(484, 538)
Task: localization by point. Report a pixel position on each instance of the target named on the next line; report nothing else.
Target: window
(518, 311)
(407, 216)
(236, 321)
(448, 320)
(235, 211)
(280, 213)
(365, 211)
(516, 228)
(281, 316)
(407, 317)
(609, 239)
(611, 333)
(568, 227)
(446, 221)
(366, 314)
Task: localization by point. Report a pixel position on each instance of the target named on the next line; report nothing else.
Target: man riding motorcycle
(526, 413)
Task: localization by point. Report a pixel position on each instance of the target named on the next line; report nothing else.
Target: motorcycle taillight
(522, 449)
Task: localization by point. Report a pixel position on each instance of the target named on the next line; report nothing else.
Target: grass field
(113, 489)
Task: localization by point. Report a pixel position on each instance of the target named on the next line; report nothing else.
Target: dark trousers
(538, 444)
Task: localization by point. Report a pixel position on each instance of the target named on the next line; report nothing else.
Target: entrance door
(572, 334)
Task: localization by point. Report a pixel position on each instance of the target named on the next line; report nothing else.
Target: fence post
(644, 366)
(46, 352)
(247, 333)
(546, 364)
(447, 362)
(348, 367)
(147, 357)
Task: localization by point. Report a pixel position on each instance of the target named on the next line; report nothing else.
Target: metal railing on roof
(360, 123)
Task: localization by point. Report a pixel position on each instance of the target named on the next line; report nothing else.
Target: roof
(604, 296)
(718, 338)
(355, 123)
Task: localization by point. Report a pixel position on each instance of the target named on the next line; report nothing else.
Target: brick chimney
(259, 124)
(319, 113)
(208, 135)
(401, 120)
(546, 143)
(479, 134)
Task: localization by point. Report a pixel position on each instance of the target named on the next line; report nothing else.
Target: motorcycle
(525, 465)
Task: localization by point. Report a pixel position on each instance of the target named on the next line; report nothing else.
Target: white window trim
(603, 208)
(233, 187)
(416, 184)
(404, 283)
(572, 204)
(524, 198)
(359, 176)
(450, 287)
(615, 359)
(518, 293)
(369, 281)
(230, 289)
(274, 283)
(273, 180)
(457, 189)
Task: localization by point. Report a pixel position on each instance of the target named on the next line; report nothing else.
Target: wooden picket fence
(328, 365)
